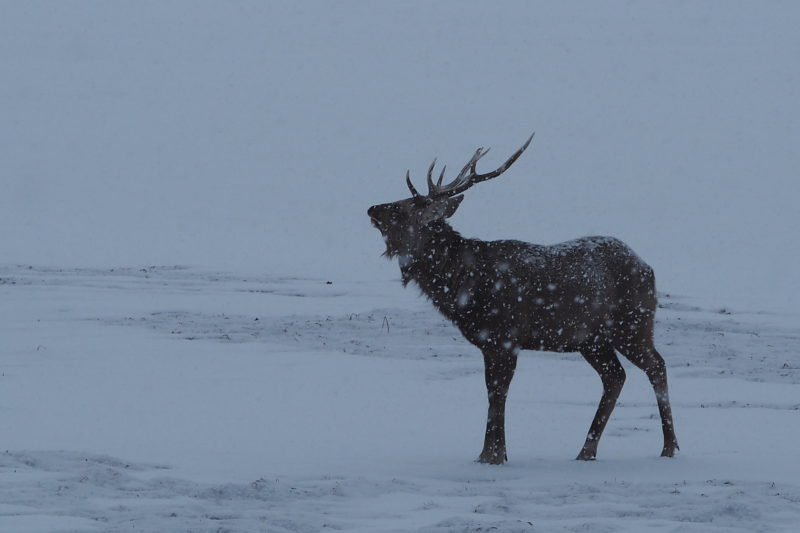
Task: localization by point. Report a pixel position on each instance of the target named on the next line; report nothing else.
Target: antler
(411, 188)
(468, 175)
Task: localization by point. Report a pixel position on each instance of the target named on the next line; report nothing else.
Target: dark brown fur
(592, 295)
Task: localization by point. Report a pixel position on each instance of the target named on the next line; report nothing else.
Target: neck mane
(441, 266)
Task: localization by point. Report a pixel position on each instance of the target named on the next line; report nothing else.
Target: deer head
(406, 225)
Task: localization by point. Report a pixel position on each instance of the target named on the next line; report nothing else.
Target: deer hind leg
(605, 362)
(644, 355)
(499, 369)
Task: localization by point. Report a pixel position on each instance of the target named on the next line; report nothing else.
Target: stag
(591, 295)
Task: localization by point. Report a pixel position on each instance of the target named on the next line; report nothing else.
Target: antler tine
(470, 165)
(468, 176)
(431, 186)
(468, 170)
(474, 161)
(414, 192)
(441, 177)
(508, 163)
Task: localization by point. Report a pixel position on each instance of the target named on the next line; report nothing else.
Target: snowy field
(173, 399)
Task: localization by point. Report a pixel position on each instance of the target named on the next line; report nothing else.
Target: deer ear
(452, 205)
(440, 209)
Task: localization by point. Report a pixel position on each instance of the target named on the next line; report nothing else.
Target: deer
(591, 295)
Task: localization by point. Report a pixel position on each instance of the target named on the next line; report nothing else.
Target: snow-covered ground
(176, 399)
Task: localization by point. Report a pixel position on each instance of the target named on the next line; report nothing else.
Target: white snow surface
(176, 399)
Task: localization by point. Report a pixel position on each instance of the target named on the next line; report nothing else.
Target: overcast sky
(252, 136)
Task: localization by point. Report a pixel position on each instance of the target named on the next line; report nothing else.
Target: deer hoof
(492, 458)
(668, 452)
(585, 455)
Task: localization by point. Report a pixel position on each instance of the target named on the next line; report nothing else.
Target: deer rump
(517, 295)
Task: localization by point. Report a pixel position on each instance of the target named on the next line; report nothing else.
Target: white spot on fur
(463, 298)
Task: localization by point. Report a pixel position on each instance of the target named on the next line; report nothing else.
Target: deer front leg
(499, 369)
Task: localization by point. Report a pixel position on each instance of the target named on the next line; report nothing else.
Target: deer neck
(438, 265)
